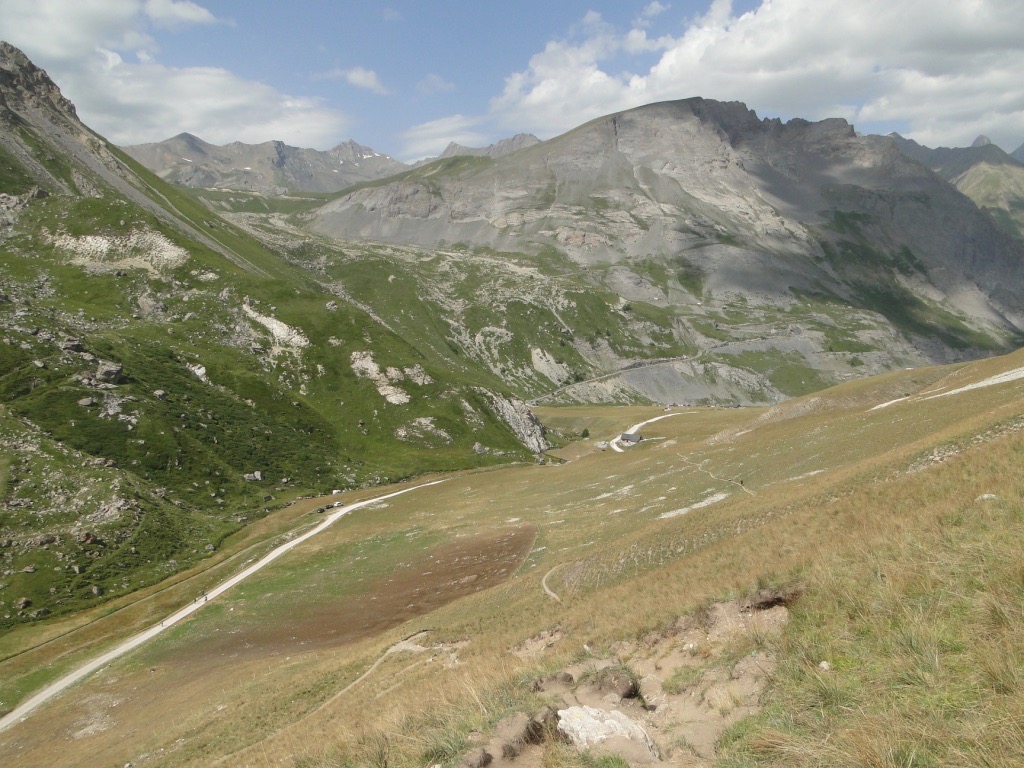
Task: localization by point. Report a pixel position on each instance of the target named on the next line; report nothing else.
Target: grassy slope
(175, 463)
(913, 592)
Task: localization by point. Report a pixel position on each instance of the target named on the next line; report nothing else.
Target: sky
(406, 77)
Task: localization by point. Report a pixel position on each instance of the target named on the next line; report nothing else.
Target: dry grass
(914, 595)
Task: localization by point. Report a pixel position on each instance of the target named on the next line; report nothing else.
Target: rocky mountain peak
(981, 141)
(22, 83)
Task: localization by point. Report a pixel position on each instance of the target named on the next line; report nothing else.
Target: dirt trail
(22, 711)
(544, 583)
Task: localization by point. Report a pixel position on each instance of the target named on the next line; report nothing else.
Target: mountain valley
(398, 390)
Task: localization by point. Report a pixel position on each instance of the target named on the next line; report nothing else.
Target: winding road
(22, 711)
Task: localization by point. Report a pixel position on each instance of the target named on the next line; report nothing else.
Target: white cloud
(173, 13)
(81, 44)
(359, 77)
(942, 70)
(432, 84)
(149, 102)
(430, 139)
(65, 30)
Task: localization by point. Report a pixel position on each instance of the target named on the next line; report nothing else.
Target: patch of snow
(704, 503)
(1000, 378)
(880, 406)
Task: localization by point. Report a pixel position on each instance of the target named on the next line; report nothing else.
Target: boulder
(607, 731)
(108, 372)
(150, 306)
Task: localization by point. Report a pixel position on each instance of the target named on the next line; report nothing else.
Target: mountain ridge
(502, 148)
(271, 167)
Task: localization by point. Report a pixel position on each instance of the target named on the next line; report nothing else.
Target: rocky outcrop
(23, 84)
(521, 420)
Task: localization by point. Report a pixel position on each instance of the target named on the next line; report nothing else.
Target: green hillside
(229, 361)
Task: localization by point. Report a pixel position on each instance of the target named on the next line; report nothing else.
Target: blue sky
(408, 77)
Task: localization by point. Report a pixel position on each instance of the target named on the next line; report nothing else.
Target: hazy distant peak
(271, 167)
(982, 141)
(503, 148)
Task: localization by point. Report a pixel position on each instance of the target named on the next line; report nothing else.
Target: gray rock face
(760, 209)
(23, 84)
(520, 419)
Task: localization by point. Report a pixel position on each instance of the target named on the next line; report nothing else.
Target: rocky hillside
(991, 178)
(270, 168)
(165, 378)
(689, 251)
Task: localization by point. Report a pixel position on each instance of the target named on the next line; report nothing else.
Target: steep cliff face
(520, 419)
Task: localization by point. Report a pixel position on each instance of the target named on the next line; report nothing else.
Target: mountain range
(272, 167)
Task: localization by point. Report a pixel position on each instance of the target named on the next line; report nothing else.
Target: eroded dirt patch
(669, 697)
(436, 577)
